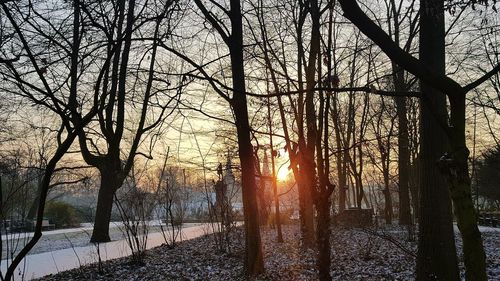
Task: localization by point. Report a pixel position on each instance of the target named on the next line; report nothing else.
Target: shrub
(488, 174)
(61, 214)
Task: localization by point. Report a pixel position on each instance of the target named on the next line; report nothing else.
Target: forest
(250, 140)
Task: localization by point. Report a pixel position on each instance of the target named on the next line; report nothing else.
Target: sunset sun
(265, 139)
(282, 173)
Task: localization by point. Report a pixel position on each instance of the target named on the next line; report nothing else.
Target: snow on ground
(357, 254)
(67, 238)
(54, 261)
(84, 227)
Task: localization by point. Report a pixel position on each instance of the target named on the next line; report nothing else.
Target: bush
(85, 213)
(488, 174)
(61, 214)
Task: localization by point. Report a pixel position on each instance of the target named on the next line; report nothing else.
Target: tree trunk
(460, 188)
(279, 233)
(435, 219)
(254, 263)
(403, 150)
(388, 213)
(34, 205)
(436, 259)
(306, 212)
(342, 189)
(104, 207)
(306, 216)
(307, 151)
(263, 211)
(340, 157)
(414, 184)
(323, 237)
(359, 190)
(277, 214)
(306, 208)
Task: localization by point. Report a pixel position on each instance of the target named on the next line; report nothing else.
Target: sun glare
(283, 173)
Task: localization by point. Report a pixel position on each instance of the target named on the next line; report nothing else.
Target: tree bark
(263, 211)
(277, 215)
(388, 213)
(306, 208)
(460, 188)
(430, 69)
(340, 157)
(436, 258)
(109, 185)
(323, 237)
(112, 124)
(403, 149)
(254, 263)
(307, 150)
(306, 214)
(414, 186)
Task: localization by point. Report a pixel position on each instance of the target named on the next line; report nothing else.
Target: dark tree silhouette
(65, 103)
(112, 165)
(454, 164)
(254, 263)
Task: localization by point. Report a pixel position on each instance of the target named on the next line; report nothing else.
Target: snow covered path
(42, 264)
(83, 227)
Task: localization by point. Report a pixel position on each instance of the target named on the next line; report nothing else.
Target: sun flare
(283, 173)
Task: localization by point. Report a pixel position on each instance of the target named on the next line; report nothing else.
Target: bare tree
(384, 134)
(397, 16)
(111, 125)
(454, 165)
(233, 39)
(27, 71)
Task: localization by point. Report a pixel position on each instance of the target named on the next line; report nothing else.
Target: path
(39, 265)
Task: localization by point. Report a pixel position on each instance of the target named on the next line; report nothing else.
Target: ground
(65, 238)
(357, 254)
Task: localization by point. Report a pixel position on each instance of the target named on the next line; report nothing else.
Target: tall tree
(254, 263)
(273, 55)
(436, 243)
(397, 14)
(454, 163)
(314, 158)
(381, 157)
(57, 92)
(112, 166)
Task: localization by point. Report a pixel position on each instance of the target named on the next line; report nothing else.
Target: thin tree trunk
(277, 218)
(261, 196)
(306, 214)
(341, 159)
(414, 186)
(263, 213)
(403, 150)
(388, 200)
(307, 151)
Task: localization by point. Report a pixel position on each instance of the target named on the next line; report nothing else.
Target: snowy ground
(67, 238)
(66, 249)
(356, 255)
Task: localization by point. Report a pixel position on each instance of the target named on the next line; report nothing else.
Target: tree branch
(482, 79)
(353, 12)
